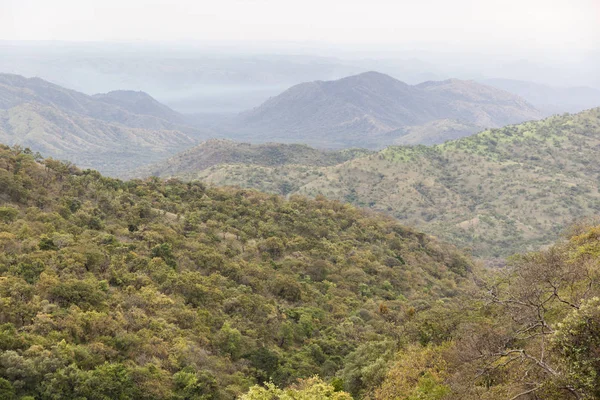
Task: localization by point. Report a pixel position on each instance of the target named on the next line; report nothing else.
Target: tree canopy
(169, 290)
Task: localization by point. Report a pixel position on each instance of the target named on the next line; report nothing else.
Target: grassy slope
(499, 192)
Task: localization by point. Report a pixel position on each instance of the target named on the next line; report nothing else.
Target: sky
(515, 25)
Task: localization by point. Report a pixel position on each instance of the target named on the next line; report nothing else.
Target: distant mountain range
(205, 80)
(373, 110)
(110, 132)
(499, 192)
(119, 131)
(550, 99)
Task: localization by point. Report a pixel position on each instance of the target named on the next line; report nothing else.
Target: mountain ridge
(139, 102)
(362, 110)
(110, 132)
(551, 99)
(214, 152)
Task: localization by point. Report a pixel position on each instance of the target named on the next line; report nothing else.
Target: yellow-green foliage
(577, 339)
(309, 389)
(417, 374)
(535, 333)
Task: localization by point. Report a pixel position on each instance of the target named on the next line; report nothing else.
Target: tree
(530, 300)
(229, 341)
(577, 339)
(109, 382)
(308, 389)
(419, 373)
(7, 391)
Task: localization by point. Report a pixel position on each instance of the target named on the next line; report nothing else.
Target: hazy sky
(469, 24)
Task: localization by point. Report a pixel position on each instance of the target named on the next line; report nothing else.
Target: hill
(372, 109)
(216, 152)
(498, 192)
(111, 132)
(170, 290)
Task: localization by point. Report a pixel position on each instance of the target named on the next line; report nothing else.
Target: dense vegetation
(171, 290)
(499, 192)
(533, 334)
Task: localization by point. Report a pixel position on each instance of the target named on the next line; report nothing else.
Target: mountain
(193, 79)
(550, 99)
(498, 192)
(111, 132)
(112, 107)
(140, 103)
(372, 109)
(171, 290)
(216, 152)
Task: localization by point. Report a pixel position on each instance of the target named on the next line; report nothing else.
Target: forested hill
(499, 192)
(215, 152)
(169, 290)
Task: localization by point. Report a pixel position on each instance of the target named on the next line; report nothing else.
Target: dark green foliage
(29, 271)
(8, 214)
(47, 243)
(265, 362)
(164, 251)
(7, 391)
